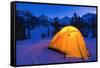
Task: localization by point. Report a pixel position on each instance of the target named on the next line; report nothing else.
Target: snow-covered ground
(37, 52)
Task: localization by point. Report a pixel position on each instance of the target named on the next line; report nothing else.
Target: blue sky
(55, 10)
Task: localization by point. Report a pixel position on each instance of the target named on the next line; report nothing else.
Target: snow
(87, 18)
(37, 52)
(91, 46)
(36, 32)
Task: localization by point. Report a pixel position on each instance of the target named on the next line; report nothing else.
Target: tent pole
(80, 50)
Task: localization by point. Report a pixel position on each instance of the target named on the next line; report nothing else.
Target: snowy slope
(29, 52)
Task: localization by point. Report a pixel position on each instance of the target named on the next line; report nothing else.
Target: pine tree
(56, 25)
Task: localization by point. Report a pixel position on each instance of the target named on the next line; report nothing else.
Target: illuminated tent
(70, 42)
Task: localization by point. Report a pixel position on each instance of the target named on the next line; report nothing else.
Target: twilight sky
(54, 10)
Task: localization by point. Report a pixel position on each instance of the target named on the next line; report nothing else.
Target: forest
(26, 22)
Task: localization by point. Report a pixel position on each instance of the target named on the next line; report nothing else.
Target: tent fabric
(69, 41)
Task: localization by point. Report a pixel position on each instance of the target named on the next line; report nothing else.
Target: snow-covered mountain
(43, 17)
(89, 18)
(65, 20)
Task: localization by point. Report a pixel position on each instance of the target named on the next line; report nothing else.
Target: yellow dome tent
(70, 42)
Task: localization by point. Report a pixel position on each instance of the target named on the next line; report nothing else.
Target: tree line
(26, 21)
